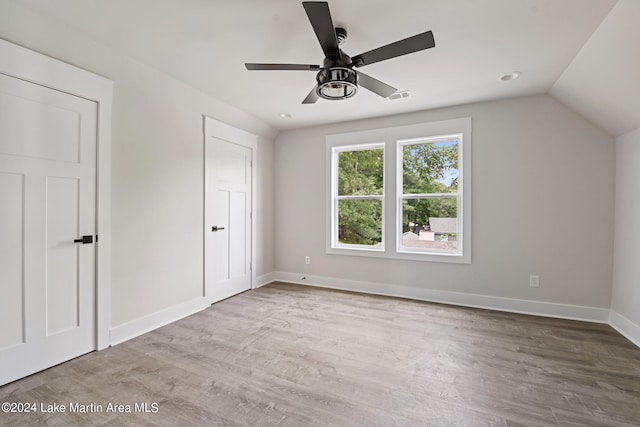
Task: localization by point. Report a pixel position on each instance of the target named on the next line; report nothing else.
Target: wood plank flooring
(289, 355)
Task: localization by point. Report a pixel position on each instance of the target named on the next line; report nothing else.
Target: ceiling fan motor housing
(341, 35)
(343, 61)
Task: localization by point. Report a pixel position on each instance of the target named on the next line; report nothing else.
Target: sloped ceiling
(603, 81)
(205, 44)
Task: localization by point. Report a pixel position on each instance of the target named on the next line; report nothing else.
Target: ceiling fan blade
(311, 98)
(301, 67)
(375, 85)
(409, 45)
(320, 18)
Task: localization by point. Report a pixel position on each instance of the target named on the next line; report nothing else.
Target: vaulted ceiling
(603, 80)
(581, 51)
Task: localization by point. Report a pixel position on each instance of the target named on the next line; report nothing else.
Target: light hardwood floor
(291, 355)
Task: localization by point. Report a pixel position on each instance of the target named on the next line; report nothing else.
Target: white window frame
(401, 196)
(335, 197)
(392, 138)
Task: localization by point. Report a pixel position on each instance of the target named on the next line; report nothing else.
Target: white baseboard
(265, 279)
(137, 327)
(625, 326)
(538, 308)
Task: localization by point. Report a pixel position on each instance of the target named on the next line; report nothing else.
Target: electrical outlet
(307, 260)
(534, 281)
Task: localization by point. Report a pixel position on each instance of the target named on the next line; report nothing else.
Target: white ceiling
(205, 43)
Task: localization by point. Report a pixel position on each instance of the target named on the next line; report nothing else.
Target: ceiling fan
(337, 79)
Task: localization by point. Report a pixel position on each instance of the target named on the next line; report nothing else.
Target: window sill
(452, 258)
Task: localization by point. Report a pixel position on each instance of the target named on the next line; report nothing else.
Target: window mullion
(362, 197)
(429, 196)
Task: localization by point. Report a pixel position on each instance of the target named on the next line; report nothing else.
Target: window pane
(360, 222)
(430, 168)
(430, 223)
(360, 172)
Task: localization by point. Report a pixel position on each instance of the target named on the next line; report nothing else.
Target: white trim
(626, 327)
(103, 229)
(458, 196)
(142, 325)
(215, 128)
(265, 279)
(36, 68)
(336, 246)
(537, 308)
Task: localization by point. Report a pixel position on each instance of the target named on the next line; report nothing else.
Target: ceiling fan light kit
(337, 79)
(337, 83)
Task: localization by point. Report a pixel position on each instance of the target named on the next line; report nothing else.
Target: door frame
(217, 129)
(34, 67)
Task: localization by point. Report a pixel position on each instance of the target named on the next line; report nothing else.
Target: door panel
(11, 277)
(23, 103)
(62, 254)
(48, 180)
(221, 237)
(238, 234)
(231, 165)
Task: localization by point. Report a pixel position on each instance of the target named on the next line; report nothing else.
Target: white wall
(542, 197)
(157, 162)
(625, 298)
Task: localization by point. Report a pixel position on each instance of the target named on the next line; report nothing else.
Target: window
(429, 196)
(401, 192)
(358, 197)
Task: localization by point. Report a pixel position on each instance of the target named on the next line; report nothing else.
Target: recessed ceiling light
(510, 76)
(286, 115)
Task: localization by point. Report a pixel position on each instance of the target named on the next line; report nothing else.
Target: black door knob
(216, 228)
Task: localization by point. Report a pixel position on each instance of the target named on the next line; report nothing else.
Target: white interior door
(47, 200)
(228, 220)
